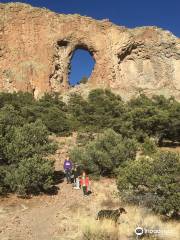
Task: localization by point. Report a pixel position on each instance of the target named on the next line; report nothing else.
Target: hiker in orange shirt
(84, 182)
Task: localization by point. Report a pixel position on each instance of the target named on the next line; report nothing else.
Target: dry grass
(137, 216)
(91, 229)
(106, 198)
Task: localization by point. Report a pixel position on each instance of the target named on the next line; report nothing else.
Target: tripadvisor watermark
(140, 231)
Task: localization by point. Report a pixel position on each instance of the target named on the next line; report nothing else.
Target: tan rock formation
(36, 46)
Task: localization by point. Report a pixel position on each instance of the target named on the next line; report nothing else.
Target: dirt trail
(45, 217)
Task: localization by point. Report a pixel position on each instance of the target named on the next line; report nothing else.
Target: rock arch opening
(81, 66)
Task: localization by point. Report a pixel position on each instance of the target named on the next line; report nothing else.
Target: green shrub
(157, 117)
(56, 121)
(84, 137)
(32, 175)
(53, 113)
(2, 177)
(16, 99)
(149, 147)
(22, 165)
(9, 117)
(152, 182)
(104, 154)
(25, 142)
(102, 109)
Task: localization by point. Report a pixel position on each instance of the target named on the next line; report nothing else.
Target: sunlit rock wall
(36, 47)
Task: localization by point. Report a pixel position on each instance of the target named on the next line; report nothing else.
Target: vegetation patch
(114, 138)
(105, 154)
(152, 182)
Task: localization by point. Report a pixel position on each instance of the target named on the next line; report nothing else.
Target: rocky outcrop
(36, 46)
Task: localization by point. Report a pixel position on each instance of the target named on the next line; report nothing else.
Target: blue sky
(82, 65)
(129, 13)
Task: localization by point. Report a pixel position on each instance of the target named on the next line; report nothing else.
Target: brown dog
(110, 214)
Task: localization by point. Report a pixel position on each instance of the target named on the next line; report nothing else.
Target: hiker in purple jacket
(67, 168)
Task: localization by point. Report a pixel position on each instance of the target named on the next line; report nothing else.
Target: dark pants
(68, 176)
(84, 188)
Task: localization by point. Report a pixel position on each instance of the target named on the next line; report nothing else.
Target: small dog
(110, 214)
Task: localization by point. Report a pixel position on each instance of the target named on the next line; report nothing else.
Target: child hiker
(84, 184)
(68, 169)
(76, 173)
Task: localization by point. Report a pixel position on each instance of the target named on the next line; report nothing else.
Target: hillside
(68, 215)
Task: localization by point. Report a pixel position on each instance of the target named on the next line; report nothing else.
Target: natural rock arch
(64, 51)
(36, 46)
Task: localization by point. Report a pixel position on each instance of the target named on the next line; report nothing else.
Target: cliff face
(36, 46)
